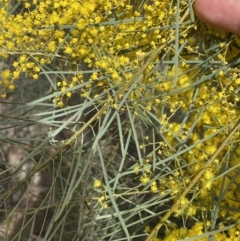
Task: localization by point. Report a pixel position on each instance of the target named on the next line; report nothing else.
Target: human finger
(224, 14)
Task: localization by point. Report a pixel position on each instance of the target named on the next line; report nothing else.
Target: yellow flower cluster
(212, 107)
(99, 187)
(111, 37)
(198, 228)
(112, 40)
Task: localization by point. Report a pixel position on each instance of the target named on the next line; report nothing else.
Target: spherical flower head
(97, 183)
(144, 179)
(11, 87)
(81, 25)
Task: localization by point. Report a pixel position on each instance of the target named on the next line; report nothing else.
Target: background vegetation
(119, 121)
